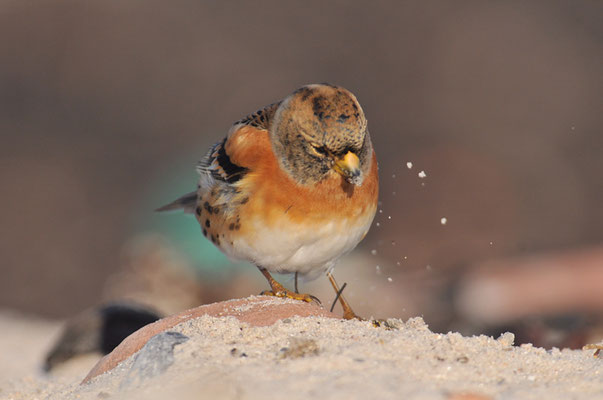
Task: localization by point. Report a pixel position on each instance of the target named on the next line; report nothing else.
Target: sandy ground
(302, 358)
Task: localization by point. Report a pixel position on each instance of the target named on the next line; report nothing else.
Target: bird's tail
(187, 203)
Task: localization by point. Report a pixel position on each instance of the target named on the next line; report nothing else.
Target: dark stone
(154, 358)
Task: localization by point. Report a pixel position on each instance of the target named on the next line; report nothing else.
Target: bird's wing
(217, 165)
(228, 161)
(221, 161)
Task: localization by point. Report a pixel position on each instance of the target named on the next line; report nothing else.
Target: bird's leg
(348, 313)
(337, 296)
(296, 290)
(279, 290)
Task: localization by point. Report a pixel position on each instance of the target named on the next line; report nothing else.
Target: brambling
(292, 187)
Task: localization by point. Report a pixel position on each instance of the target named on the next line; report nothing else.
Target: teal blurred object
(182, 230)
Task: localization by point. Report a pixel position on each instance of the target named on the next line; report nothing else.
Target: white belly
(290, 248)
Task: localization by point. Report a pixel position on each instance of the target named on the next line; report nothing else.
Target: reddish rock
(256, 311)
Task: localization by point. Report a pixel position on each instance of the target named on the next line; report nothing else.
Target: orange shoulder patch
(248, 145)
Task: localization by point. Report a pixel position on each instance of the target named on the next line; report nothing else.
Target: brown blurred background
(105, 107)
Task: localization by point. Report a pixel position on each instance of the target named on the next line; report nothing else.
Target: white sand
(303, 358)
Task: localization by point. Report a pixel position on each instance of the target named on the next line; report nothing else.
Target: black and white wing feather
(216, 167)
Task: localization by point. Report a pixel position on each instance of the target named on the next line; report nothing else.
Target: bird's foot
(280, 291)
(350, 314)
(308, 298)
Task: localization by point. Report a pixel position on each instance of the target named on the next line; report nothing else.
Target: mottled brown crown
(328, 115)
(319, 116)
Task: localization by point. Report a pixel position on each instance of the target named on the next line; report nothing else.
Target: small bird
(291, 188)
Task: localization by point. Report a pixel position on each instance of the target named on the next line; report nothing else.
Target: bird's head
(320, 130)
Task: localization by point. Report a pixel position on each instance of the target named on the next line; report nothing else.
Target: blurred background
(106, 106)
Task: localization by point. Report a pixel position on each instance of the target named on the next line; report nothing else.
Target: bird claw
(308, 298)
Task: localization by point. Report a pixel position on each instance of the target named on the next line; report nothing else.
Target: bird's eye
(321, 150)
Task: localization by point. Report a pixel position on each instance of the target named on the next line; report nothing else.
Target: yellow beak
(349, 167)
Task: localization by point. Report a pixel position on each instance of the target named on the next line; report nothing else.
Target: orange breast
(274, 195)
